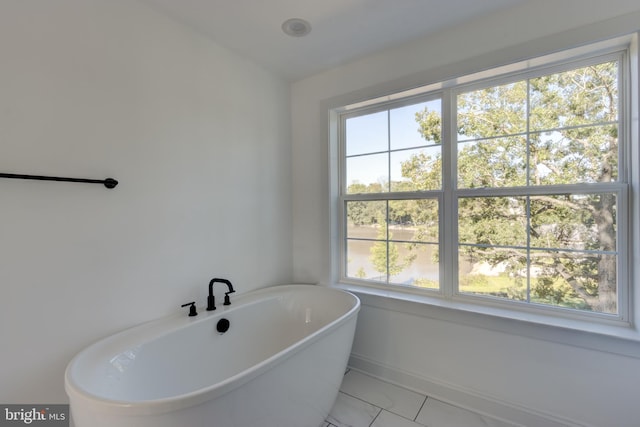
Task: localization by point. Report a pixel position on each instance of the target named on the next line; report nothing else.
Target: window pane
(419, 264)
(416, 125)
(416, 170)
(367, 220)
(414, 220)
(577, 221)
(360, 263)
(573, 156)
(495, 221)
(576, 97)
(367, 134)
(391, 258)
(368, 174)
(497, 272)
(499, 162)
(573, 279)
(491, 112)
(494, 234)
(376, 260)
(406, 251)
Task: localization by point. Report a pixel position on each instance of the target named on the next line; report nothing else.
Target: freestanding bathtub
(279, 364)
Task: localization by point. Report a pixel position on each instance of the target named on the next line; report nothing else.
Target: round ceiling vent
(296, 27)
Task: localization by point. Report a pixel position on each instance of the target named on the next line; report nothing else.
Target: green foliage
(424, 171)
(385, 255)
(430, 125)
(493, 112)
(556, 291)
(366, 213)
(556, 129)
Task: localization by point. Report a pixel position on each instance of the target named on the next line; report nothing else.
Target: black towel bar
(108, 182)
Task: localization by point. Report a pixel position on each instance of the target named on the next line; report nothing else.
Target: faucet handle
(227, 300)
(192, 309)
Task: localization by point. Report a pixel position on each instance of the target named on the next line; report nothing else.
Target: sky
(395, 129)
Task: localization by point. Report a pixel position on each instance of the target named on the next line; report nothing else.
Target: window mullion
(528, 181)
(448, 205)
(388, 154)
(386, 220)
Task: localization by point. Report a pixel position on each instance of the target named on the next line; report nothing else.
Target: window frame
(448, 195)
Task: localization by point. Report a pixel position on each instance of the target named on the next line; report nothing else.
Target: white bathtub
(280, 364)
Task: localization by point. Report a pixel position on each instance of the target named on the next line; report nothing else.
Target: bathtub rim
(78, 394)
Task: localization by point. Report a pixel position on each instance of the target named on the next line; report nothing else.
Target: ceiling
(342, 30)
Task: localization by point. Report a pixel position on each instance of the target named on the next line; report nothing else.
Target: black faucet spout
(211, 301)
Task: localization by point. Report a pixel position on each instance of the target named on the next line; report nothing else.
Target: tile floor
(365, 401)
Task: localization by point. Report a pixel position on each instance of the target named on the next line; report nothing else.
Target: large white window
(508, 188)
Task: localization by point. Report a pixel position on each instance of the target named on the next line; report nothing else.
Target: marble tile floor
(365, 401)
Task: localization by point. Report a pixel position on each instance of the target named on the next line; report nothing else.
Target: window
(510, 188)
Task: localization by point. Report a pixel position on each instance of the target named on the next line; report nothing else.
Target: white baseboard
(461, 397)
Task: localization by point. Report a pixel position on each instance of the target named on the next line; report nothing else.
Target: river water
(424, 265)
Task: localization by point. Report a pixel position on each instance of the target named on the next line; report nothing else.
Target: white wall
(571, 383)
(199, 139)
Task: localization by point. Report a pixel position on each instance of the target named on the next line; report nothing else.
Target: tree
(550, 130)
(385, 256)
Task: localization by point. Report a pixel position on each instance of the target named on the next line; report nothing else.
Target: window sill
(616, 339)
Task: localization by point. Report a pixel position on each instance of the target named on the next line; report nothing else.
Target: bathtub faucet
(211, 301)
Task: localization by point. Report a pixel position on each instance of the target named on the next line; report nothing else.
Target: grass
(492, 285)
